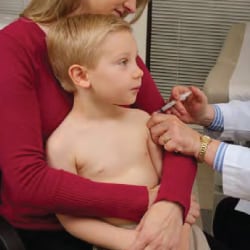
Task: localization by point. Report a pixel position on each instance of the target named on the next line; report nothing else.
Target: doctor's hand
(173, 134)
(195, 109)
(160, 228)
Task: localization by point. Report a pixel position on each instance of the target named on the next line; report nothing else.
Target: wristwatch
(204, 140)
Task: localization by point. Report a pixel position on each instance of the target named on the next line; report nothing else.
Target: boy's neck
(96, 111)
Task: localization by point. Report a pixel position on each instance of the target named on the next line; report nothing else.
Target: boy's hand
(194, 211)
(152, 194)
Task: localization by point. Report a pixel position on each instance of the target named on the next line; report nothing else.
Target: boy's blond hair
(78, 40)
(48, 11)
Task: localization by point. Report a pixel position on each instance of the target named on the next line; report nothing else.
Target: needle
(167, 106)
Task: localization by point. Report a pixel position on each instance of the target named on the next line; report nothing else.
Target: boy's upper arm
(59, 154)
(155, 152)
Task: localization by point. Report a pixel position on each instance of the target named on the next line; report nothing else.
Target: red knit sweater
(32, 105)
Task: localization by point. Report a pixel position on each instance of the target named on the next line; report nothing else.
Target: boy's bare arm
(184, 243)
(155, 152)
(98, 232)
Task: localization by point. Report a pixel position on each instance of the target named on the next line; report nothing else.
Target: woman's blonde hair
(48, 11)
(78, 40)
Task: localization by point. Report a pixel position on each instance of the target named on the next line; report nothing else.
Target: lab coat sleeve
(236, 172)
(236, 165)
(236, 120)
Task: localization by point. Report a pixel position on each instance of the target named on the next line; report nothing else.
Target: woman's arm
(28, 107)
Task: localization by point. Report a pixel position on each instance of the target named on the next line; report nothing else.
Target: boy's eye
(123, 61)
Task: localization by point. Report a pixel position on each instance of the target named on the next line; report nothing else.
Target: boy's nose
(138, 73)
(130, 6)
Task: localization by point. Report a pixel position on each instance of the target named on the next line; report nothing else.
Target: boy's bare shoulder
(60, 138)
(60, 148)
(139, 115)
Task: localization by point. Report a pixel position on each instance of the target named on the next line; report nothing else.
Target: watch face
(206, 138)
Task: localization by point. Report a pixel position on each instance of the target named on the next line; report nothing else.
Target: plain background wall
(140, 32)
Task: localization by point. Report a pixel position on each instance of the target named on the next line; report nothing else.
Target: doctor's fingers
(169, 143)
(178, 110)
(158, 125)
(156, 118)
(159, 131)
(164, 138)
(178, 90)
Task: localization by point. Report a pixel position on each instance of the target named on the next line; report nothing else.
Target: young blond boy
(94, 56)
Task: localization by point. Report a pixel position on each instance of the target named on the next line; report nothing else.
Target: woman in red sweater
(32, 105)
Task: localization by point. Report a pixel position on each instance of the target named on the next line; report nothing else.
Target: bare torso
(112, 150)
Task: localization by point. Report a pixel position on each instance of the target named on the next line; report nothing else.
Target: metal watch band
(204, 140)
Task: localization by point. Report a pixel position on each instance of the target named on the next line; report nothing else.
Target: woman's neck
(44, 27)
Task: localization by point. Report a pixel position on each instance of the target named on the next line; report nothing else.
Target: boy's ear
(79, 75)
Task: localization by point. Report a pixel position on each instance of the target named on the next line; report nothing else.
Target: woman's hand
(195, 109)
(160, 228)
(173, 134)
(194, 211)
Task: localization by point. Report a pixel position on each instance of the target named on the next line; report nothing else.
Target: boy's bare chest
(111, 148)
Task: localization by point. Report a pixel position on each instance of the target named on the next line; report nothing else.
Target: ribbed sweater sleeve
(178, 171)
(83, 197)
(177, 179)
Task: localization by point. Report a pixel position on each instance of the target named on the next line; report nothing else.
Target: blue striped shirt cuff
(218, 122)
(219, 157)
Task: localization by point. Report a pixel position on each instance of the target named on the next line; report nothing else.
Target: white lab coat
(236, 165)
